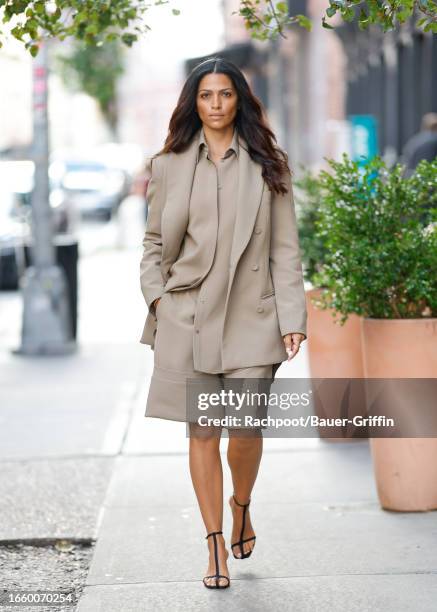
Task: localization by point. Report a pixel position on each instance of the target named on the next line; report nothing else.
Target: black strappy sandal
(216, 575)
(241, 541)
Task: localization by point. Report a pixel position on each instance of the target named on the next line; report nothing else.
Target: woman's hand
(292, 343)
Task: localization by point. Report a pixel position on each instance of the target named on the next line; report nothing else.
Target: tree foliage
(266, 19)
(95, 71)
(93, 21)
(385, 13)
(99, 21)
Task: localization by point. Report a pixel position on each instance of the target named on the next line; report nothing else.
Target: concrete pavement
(63, 422)
(323, 542)
(80, 460)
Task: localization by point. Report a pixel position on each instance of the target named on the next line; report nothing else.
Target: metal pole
(47, 326)
(42, 223)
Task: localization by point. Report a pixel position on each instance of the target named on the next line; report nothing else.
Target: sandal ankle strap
(213, 533)
(238, 503)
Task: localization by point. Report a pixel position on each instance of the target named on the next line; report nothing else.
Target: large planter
(334, 352)
(405, 468)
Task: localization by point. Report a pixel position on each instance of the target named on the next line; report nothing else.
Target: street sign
(363, 138)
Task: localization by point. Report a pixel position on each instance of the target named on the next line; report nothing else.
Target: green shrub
(308, 197)
(380, 231)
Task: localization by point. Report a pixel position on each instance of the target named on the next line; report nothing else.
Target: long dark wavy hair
(249, 121)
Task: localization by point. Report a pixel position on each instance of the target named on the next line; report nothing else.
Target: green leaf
(129, 39)
(18, 32)
(282, 7)
(92, 29)
(80, 17)
(326, 25)
(363, 20)
(39, 7)
(304, 22)
(348, 14)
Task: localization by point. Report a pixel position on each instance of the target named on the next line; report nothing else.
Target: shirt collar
(202, 143)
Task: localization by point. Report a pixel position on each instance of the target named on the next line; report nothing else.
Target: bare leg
(244, 457)
(207, 476)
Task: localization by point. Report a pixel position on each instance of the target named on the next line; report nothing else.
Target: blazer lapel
(174, 222)
(250, 191)
(179, 181)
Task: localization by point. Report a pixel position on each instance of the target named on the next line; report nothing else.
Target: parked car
(17, 178)
(14, 232)
(88, 184)
(16, 187)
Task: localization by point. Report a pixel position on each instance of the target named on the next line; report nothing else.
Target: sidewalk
(63, 420)
(323, 543)
(79, 460)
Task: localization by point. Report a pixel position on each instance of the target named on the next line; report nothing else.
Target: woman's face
(216, 101)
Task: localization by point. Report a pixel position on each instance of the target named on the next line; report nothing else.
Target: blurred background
(66, 418)
(326, 92)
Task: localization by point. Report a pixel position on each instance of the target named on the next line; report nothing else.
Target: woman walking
(222, 278)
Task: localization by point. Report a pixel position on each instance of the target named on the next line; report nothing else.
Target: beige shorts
(174, 379)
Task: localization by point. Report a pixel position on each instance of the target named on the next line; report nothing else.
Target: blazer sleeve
(286, 265)
(152, 285)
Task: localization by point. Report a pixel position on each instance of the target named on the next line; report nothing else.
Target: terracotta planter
(405, 468)
(334, 352)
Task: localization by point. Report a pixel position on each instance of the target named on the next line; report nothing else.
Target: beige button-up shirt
(218, 182)
(215, 181)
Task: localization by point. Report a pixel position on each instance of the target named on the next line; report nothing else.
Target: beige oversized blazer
(265, 296)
